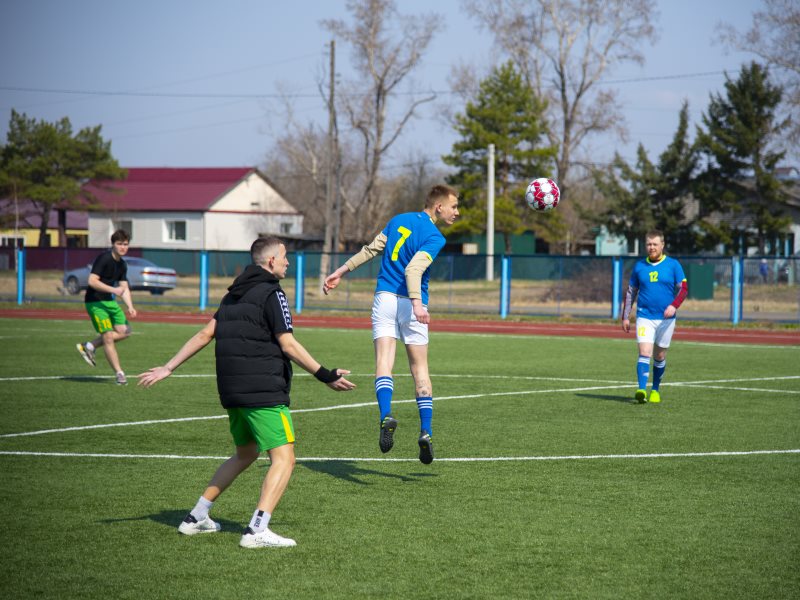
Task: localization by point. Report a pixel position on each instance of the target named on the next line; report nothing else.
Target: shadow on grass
(353, 473)
(173, 518)
(612, 397)
(88, 379)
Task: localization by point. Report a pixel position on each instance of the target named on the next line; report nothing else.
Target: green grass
(724, 526)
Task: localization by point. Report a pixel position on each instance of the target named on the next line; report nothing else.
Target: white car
(142, 275)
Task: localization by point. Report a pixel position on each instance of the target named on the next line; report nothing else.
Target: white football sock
(260, 520)
(201, 509)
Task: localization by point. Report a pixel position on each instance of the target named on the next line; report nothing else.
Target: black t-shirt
(110, 272)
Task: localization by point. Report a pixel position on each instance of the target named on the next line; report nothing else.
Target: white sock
(260, 520)
(200, 510)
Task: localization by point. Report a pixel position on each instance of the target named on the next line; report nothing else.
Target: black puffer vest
(252, 371)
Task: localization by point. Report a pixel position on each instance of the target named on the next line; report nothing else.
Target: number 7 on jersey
(404, 233)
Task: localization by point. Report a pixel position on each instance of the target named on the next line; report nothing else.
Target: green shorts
(105, 315)
(269, 427)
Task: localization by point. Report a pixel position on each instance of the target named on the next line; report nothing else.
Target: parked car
(142, 275)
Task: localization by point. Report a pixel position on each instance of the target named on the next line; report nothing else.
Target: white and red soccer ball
(542, 194)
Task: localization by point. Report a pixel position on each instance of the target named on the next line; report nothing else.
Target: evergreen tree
(738, 141)
(648, 196)
(44, 163)
(506, 113)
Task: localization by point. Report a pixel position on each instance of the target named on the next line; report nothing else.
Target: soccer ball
(542, 194)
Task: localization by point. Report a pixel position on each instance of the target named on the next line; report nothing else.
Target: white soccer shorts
(655, 331)
(393, 316)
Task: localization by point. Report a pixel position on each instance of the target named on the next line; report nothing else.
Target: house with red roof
(192, 209)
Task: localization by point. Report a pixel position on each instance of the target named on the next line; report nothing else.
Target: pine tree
(506, 113)
(738, 143)
(651, 196)
(46, 164)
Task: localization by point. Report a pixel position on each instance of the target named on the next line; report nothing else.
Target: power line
(193, 95)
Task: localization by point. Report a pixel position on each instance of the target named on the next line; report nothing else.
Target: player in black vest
(255, 343)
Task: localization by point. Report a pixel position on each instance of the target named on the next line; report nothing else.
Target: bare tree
(775, 38)
(387, 48)
(564, 48)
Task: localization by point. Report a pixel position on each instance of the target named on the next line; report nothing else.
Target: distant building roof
(168, 189)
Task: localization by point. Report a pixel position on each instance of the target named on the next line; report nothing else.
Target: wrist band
(327, 376)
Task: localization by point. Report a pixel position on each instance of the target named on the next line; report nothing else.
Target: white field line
(616, 385)
(304, 374)
(414, 460)
(738, 389)
(294, 411)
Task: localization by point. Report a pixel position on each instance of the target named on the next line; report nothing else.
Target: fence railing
(720, 288)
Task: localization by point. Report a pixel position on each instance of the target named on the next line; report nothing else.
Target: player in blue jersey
(661, 287)
(407, 246)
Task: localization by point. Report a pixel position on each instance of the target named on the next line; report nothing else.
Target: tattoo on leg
(423, 388)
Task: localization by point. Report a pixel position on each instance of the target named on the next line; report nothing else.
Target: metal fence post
(20, 275)
(736, 289)
(203, 279)
(299, 282)
(505, 286)
(616, 279)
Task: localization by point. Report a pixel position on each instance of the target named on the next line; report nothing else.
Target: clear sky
(202, 48)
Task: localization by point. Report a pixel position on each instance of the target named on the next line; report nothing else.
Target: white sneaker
(87, 354)
(191, 526)
(121, 379)
(264, 539)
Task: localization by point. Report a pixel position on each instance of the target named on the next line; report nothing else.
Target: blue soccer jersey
(407, 234)
(657, 283)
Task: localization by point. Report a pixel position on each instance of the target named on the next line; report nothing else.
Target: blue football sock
(658, 372)
(425, 406)
(643, 371)
(384, 388)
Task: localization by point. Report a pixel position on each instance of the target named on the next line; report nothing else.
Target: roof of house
(170, 189)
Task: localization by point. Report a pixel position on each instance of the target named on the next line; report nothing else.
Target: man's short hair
(439, 192)
(654, 233)
(264, 248)
(120, 235)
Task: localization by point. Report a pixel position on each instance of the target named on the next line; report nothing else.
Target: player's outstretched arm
(366, 254)
(333, 378)
(197, 342)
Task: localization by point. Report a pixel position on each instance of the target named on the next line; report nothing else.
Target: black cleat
(425, 449)
(386, 439)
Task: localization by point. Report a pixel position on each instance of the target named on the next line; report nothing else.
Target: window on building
(175, 231)
(10, 241)
(125, 224)
(286, 228)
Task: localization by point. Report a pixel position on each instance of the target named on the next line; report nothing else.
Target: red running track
(612, 330)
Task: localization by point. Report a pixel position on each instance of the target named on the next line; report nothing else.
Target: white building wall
(236, 231)
(253, 194)
(149, 230)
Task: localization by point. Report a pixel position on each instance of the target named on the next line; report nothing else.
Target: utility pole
(331, 216)
(490, 216)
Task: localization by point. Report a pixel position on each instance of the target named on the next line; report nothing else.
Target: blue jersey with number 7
(407, 234)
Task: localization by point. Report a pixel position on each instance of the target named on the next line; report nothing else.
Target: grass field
(548, 482)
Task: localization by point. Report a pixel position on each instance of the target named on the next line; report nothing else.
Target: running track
(698, 334)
